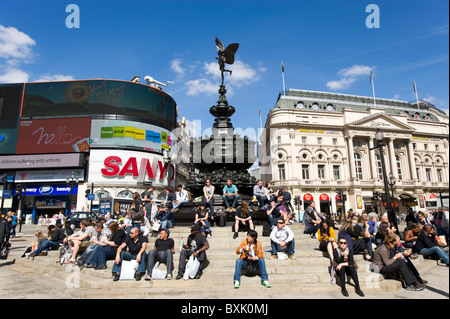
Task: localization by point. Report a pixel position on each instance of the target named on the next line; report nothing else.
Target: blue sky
(325, 46)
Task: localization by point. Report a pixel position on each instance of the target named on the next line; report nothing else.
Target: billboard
(10, 103)
(129, 134)
(100, 97)
(65, 135)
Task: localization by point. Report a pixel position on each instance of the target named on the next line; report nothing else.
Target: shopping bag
(128, 269)
(157, 273)
(191, 268)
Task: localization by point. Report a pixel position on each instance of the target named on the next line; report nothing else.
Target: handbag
(251, 265)
(137, 216)
(191, 268)
(4, 252)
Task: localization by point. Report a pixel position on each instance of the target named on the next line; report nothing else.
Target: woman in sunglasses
(344, 264)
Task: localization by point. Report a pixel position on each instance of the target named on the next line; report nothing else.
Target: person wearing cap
(196, 245)
(165, 217)
(163, 253)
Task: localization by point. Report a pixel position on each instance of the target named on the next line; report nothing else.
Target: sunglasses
(343, 243)
(281, 223)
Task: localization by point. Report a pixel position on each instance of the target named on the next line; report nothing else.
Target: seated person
(311, 220)
(362, 228)
(327, 239)
(80, 240)
(165, 217)
(242, 218)
(259, 193)
(136, 244)
(372, 221)
(282, 240)
(355, 242)
(411, 235)
(269, 193)
(201, 218)
(426, 244)
(273, 213)
(230, 194)
(196, 245)
(344, 264)
(55, 236)
(385, 263)
(251, 258)
(422, 219)
(180, 198)
(163, 253)
(399, 248)
(96, 238)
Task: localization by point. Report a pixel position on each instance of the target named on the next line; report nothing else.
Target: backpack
(267, 229)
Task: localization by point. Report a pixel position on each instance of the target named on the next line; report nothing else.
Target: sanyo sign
(130, 168)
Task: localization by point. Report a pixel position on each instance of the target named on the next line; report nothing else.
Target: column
(351, 157)
(392, 158)
(412, 163)
(373, 166)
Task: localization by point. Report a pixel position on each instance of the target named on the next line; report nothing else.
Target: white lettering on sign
(113, 168)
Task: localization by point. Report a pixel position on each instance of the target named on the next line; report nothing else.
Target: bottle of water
(181, 244)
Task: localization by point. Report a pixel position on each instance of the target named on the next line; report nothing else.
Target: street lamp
(379, 145)
(391, 185)
(440, 191)
(71, 181)
(167, 157)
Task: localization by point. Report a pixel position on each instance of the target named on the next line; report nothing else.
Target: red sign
(324, 197)
(64, 135)
(112, 168)
(393, 204)
(432, 196)
(308, 197)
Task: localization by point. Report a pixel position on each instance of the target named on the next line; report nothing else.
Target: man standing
(163, 253)
(282, 239)
(197, 244)
(148, 202)
(137, 244)
(230, 194)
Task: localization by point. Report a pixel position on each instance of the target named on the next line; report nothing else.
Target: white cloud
(13, 75)
(242, 73)
(54, 77)
(15, 45)
(176, 67)
(340, 84)
(348, 76)
(202, 85)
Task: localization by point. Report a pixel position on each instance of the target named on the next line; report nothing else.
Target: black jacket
(5, 229)
(425, 241)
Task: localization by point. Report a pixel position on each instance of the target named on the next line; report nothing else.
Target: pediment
(381, 121)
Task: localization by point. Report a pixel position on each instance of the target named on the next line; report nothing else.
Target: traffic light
(383, 197)
(18, 191)
(375, 196)
(87, 192)
(295, 200)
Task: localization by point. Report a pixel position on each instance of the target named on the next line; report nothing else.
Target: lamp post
(391, 185)
(440, 196)
(71, 181)
(379, 145)
(167, 157)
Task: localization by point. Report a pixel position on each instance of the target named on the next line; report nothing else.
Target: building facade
(319, 144)
(61, 141)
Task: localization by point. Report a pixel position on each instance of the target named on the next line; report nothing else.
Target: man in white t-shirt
(182, 197)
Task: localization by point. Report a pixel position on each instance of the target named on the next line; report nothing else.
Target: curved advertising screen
(93, 97)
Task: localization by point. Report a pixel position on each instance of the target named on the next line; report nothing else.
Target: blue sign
(7, 194)
(91, 196)
(49, 189)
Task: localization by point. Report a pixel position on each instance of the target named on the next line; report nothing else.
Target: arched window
(125, 194)
(101, 194)
(379, 168)
(358, 166)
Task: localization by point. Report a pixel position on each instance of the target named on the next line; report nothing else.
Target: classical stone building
(318, 144)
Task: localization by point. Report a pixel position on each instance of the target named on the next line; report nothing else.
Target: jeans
(101, 254)
(369, 241)
(211, 206)
(45, 246)
(290, 247)
(261, 200)
(166, 224)
(435, 249)
(164, 256)
(400, 265)
(311, 229)
(179, 203)
(87, 253)
(125, 255)
(240, 264)
(272, 220)
(233, 199)
(185, 255)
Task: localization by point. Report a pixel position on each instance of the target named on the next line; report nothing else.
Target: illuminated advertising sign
(10, 102)
(129, 168)
(129, 134)
(65, 135)
(91, 97)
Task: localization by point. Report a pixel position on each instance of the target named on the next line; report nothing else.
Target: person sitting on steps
(230, 194)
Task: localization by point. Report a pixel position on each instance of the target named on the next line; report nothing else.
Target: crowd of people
(125, 238)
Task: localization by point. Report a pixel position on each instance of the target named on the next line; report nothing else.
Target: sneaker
(266, 284)
(233, 209)
(169, 277)
(179, 276)
(235, 235)
(292, 257)
(236, 284)
(273, 257)
(148, 278)
(412, 288)
(116, 277)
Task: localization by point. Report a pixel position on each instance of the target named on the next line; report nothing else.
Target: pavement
(15, 286)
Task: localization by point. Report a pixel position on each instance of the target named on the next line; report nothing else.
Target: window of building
(337, 172)
(357, 143)
(440, 175)
(437, 147)
(399, 167)
(303, 139)
(305, 171)
(125, 194)
(358, 166)
(101, 194)
(428, 174)
(319, 141)
(414, 146)
(426, 147)
(335, 141)
(279, 139)
(281, 172)
(418, 173)
(379, 168)
(321, 171)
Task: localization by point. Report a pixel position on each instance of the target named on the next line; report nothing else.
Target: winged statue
(225, 56)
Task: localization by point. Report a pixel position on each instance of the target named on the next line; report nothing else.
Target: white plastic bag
(128, 269)
(191, 268)
(158, 274)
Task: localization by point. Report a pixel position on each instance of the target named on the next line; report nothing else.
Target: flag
(260, 111)
(370, 80)
(282, 66)
(414, 86)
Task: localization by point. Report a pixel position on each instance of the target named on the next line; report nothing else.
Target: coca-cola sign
(65, 135)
